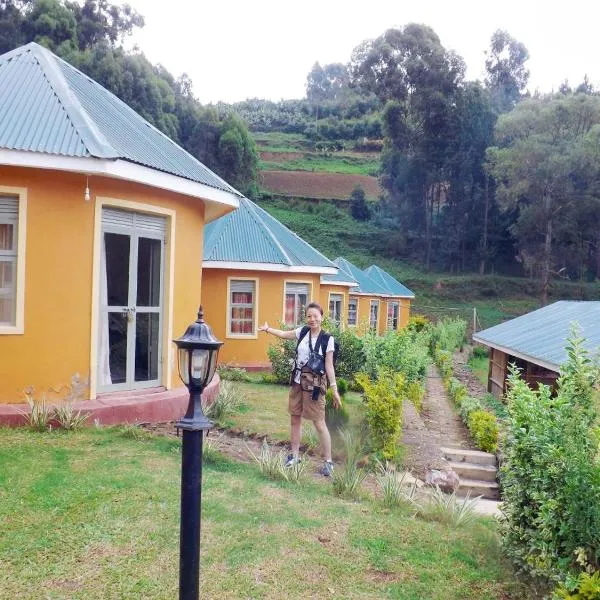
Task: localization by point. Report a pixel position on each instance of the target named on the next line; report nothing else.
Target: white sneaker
(291, 460)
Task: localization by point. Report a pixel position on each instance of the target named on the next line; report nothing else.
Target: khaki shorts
(300, 402)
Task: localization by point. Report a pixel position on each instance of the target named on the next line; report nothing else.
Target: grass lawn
(95, 515)
(264, 411)
(346, 163)
(480, 366)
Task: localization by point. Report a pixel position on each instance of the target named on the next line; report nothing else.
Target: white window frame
(336, 297)
(353, 299)
(376, 304)
(18, 326)
(390, 324)
(254, 334)
(299, 316)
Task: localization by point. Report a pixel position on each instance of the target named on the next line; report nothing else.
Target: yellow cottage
(256, 270)
(101, 229)
(335, 297)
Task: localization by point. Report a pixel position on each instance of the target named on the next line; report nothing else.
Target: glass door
(131, 310)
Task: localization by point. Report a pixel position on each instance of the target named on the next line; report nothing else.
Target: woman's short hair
(315, 305)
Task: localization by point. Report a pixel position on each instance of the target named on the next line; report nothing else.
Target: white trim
(308, 300)
(19, 327)
(342, 295)
(342, 283)
(249, 266)
(242, 336)
(218, 202)
(527, 357)
(169, 286)
(371, 294)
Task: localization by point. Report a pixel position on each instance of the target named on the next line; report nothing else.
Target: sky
(234, 50)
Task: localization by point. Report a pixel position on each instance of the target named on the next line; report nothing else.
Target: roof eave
(253, 266)
(217, 202)
(533, 359)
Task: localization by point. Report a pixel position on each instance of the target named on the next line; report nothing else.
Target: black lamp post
(197, 352)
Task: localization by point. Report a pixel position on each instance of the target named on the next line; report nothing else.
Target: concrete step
(466, 470)
(471, 456)
(486, 489)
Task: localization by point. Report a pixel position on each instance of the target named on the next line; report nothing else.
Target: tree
(358, 204)
(507, 76)
(544, 167)
(419, 79)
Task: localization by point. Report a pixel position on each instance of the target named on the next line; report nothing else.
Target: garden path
(437, 426)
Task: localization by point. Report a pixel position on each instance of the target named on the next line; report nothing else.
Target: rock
(447, 481)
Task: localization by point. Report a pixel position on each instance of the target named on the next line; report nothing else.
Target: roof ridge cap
(252, 210)
(95, 142)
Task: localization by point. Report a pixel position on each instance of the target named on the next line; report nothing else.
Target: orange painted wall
(59, 272)
(248, 351)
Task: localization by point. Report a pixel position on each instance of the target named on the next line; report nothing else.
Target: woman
(301, 402)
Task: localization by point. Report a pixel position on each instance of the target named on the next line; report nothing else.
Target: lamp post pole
(193, 425)
(197, 359)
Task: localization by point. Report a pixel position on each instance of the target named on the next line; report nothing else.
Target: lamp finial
(200, 318)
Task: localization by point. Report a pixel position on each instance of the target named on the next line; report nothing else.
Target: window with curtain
(242, 304)
(393, 313)
(374, 313)
(335, 307)
(352, 310)
(9, 216)
(296, 299)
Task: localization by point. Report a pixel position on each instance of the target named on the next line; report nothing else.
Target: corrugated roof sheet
(382, 277)
(366, 285)
(542, 335)
(339, 277)
(252, 235)
(46, 105)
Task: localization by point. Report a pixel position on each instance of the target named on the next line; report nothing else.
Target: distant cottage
(536, 342)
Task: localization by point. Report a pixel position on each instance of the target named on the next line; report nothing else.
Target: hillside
(293, 166)
(335, 233)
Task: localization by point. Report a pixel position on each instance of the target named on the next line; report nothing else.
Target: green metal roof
(366, 285)
(251, 235)
(340, 278)
(541, 336)
(394, 287)
(48, 106)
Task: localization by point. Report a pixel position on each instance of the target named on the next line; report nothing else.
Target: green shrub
(448, 334)
(551, 475)
(230, 373)
(418, 322)
(443, 360)
(225, 403)
(67, 417)
(480, 352)
(347, 478)
(401, 351)
(39, 415)
(456, 390)
(269, 378)
(282, 354)
(496, 406)
(415, 392)
(342, 386)
(383, 400)
(469, 405)
(585, 587)
(484, 429)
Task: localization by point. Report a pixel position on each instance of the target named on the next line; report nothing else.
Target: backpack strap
(302, 335)
(324, 341)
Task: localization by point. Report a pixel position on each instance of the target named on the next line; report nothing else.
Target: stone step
(486, 489)
(471, 456)
(466, 470)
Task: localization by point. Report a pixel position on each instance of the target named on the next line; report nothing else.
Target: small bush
(282, 354)
(393, 489)
(310, 438)
(415, 392)
(39, 415)
(468, 406)
(335, 418)
(484, 429)
(230, 373)
(211, 450)
(342, 386)
(417, 322)
(480, 352)
(584, 587)
(347, 480)
(449, 509)
(269, 378)
(225, 403)
(272, 465)
(383, 399)
(456, 390)
(67, 418)
(448, 334)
